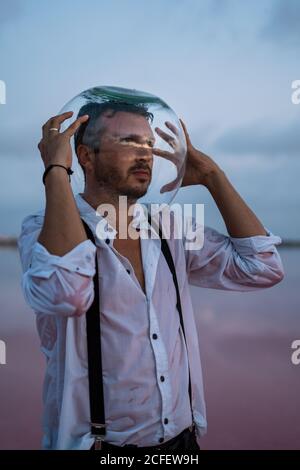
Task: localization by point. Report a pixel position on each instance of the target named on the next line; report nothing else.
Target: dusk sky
(226, 67)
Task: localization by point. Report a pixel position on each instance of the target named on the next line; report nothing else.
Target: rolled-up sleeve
(240, 264)
(56, 285)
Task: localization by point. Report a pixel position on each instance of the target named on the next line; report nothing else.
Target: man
(145, 358)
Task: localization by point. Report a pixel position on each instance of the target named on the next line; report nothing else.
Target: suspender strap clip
(98, 442)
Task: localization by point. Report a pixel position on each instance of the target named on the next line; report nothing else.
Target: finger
(168, 187)
(56, 121)
(172, 185)
(172, 128)
(167, 137)
(164, 154)
(188, 140)
(76, 124)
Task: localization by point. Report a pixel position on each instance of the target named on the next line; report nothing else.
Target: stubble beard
(110, 180)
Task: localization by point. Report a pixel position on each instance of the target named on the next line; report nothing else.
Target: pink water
(252, 388)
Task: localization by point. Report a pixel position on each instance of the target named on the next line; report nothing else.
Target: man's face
(124, 162)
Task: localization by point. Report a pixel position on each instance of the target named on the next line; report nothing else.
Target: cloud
(259, 138)
(284, 23)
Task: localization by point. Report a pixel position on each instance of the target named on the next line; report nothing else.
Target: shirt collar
(105, 230)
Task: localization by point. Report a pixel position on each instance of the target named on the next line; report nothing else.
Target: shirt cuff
(81, 259)
(256, 244)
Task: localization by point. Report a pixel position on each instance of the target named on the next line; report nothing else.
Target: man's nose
(144, 153)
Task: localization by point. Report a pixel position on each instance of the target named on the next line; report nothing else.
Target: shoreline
(12, 242)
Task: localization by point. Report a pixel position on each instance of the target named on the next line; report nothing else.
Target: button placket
(161, 367)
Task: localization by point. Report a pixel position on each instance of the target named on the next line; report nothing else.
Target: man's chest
(131, 250)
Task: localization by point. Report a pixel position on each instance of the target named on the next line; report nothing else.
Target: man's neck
(102, 197)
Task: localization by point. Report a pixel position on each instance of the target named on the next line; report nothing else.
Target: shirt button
(166, 420)
(162, 378)
(154, 336)
(107, 241)
(161, 439)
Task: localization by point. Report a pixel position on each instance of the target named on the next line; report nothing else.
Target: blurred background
(226, 67)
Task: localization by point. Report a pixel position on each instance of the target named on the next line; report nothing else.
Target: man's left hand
(198, 166)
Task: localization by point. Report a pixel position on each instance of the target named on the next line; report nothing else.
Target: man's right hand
(54, 146)
(62, 229)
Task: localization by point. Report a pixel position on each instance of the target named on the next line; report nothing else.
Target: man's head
(114, 144)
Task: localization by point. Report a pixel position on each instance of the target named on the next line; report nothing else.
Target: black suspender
(169, 259)
(93, 331)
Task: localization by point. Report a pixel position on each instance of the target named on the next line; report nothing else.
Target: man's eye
(149, 143)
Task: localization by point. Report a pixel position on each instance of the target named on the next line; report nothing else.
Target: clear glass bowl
(159, 144)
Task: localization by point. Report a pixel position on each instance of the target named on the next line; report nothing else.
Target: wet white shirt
(145, 360)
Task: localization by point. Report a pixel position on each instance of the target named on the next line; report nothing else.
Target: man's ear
(85, 156)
